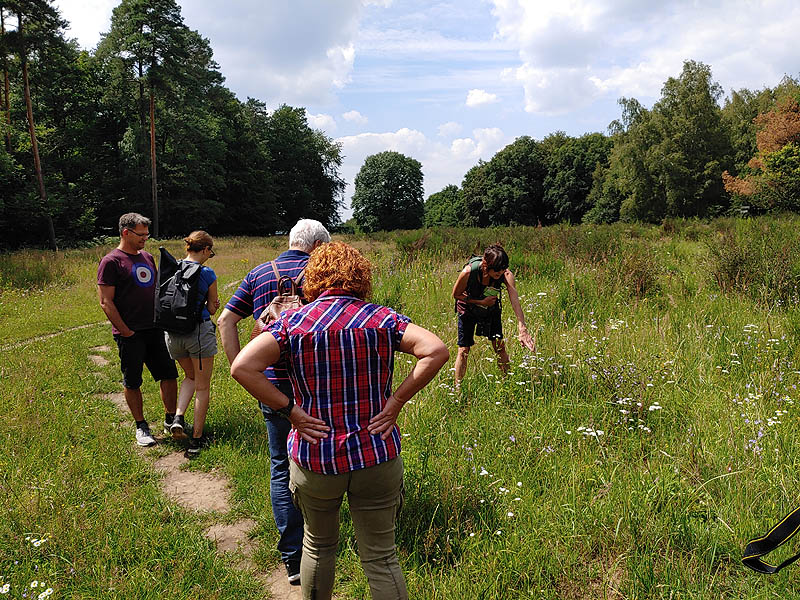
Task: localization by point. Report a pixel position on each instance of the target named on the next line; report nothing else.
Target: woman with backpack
(477, 295)
(195, 350)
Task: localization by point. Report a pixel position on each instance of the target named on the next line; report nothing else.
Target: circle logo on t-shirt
(143, 275)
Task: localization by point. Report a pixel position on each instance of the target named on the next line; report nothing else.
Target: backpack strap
(279, 278)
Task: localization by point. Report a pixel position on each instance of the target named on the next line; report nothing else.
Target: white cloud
(442, 164)
(268, 51)
(87, 19)
(322, 121)
(449, 129)
(480, 97)
(355, 117)
(574, 52)
(484, 142)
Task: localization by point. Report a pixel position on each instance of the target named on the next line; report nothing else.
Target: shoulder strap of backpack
(474, 271)
(295, 282)
(188, 269)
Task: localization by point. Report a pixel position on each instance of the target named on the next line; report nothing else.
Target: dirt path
(207, 493)
(39, 338)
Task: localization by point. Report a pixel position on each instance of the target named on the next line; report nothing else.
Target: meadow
(632, 455)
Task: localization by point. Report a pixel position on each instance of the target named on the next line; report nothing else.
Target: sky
(450, 82)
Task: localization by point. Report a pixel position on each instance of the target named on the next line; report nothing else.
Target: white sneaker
(143, 436)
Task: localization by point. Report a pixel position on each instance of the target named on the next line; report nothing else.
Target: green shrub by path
(632, 455)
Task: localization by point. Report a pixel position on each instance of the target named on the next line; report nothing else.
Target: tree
(6, 97)
(669, 161)
(772, 180)
(304, 164)
(388, 193)
(157, 52)
(445, 208)
(570, 168)
(509, 189)
(37, 24)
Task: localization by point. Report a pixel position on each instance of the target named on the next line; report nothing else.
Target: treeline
(687, 156)
(144, 120)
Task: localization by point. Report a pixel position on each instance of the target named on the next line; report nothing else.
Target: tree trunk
(31, 127)
(7, 96)
(153, 162)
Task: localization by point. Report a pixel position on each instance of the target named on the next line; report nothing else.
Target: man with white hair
(254, 294)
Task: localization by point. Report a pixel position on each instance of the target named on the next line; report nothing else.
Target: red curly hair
(336, 265)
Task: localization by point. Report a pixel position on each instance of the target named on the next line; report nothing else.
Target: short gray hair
(306, 233)
(131, 220)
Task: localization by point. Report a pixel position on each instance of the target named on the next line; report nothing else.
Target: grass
(652, 433)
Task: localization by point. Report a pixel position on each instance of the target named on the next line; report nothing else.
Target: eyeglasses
(141, 235)
(213, 254)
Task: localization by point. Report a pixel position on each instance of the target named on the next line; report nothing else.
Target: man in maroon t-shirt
(126, 285)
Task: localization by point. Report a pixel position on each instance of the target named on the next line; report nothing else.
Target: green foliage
(445, 208)
(223, 165)
(669, 161)
(572, 167)
(657, 430)
(508, 190)
(759, 259)
(388, 193)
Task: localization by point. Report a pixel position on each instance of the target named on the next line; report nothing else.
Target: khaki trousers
(375, 495)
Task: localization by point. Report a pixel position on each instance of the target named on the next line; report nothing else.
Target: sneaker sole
(145, 444)
(178, 432)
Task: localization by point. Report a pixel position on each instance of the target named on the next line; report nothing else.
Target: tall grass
(632, 455)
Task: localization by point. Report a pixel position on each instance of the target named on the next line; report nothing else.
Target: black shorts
(145, 347)
(491, 328)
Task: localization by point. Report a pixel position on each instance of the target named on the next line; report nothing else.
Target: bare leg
(169, 394)
(202, 393)
(187, 385)
(461, 364)
(134, 400)
(502, 356)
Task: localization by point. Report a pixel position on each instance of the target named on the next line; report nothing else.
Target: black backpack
(177, 308)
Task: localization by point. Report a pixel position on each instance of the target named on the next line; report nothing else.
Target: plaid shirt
(340, 352)
(257, 290)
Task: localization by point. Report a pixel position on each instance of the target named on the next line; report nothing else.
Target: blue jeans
(288, 519)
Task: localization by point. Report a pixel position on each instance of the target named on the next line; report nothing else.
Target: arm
(513, 296)
(229, 333)
(460, 291)
(106, 296)
(248, 370)
(212, 301)
(432, 354)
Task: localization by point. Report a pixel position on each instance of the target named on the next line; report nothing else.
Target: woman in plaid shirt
(344, 438)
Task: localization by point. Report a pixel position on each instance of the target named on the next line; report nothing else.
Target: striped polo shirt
(257, 290)
(340, 353)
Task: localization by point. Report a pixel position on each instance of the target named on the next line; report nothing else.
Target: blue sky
(452, 82)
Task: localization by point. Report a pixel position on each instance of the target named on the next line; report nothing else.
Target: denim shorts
(144, 347)
(200, 343)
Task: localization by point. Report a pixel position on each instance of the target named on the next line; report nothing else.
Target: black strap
(777, 536)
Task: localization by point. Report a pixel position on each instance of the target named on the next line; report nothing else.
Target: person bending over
(477, 294)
